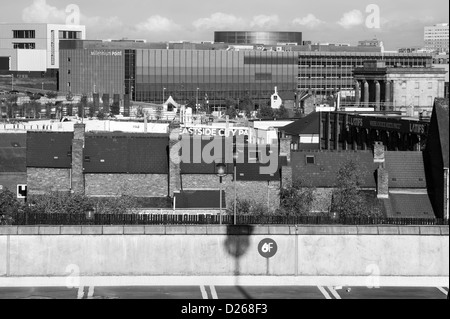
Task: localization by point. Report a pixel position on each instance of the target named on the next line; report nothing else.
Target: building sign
(210, 131)
(403, 126)
(106, 53)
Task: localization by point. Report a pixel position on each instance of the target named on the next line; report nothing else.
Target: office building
(436, 37)
(26, 48)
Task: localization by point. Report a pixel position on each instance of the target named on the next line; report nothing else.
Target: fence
(33, 219)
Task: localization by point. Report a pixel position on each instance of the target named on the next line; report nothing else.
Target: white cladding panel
(31, 60)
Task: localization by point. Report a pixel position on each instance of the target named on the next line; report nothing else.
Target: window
(68, 59)
(30, 46)
(430, 101)
(430, 85)
(310, 159)
(68, 71)
(416, 100)
(417, 85)
(68, 84)
(403, 85)
(69, 34)
(24, 34)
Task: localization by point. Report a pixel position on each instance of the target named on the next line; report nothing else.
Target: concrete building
(390, 89)
(26, 48)
(436, 37)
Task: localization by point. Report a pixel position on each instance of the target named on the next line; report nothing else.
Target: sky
(401, 22)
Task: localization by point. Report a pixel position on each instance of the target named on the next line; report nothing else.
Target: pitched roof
(126, 153)
(327, 163)
(408, 206)
(49, 149)
(13, 153)
(307, 125)
(406, 169)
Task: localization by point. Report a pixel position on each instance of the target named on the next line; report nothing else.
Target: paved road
(229, 292)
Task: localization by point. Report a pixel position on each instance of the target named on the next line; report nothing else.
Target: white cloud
(157, 23)
(40, 12)
(310, 21)
(351, 19)
(263, 21)
(219, 21)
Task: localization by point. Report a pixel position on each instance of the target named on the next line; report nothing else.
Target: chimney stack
(382, 173)
(77, 180)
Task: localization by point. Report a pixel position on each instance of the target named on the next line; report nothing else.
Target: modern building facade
(151, 75)
(34, 47)
(258, 37)
(436, 37)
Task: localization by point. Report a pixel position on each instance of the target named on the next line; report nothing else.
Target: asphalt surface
(219, 292)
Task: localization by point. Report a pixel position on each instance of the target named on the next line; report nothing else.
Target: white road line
(334, 292)
(204, 293)
(213, 292)
(80, 292)
(324, 292)
(442, 290)
(91, 292)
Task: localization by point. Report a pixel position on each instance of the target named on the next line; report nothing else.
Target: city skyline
(401, 23)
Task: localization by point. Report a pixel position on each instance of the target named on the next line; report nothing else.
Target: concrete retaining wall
(223, 251)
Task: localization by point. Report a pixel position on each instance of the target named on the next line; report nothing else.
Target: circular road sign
(267, 248)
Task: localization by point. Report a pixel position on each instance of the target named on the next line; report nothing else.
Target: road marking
(91, 292)
(442, 290)
(334, 292)
(80, 292)
(324, 292)
(204, 293)
(213, 292)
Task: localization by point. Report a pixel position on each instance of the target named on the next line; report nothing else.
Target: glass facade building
(257, 37)
(219, 75)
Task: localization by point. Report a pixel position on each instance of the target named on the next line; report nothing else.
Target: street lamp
(221, 173)
(196, 99)
(235, 158)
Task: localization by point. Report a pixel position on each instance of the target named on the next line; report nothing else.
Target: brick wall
(256, 191)
(44, 180)
(142, 185)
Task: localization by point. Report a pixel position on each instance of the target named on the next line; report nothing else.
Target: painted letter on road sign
(267, 248)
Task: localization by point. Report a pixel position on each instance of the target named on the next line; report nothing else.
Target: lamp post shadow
(236, 245)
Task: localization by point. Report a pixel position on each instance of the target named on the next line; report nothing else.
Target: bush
(9, 205)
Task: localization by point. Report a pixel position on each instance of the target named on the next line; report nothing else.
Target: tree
(281, 113)
(347, 198)
(101, 115)
(266, 112)
(191, 103)
(51, 95)
(247, 105)
(296, 199)
(232, 112)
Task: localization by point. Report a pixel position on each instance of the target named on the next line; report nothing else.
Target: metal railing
(35, 219)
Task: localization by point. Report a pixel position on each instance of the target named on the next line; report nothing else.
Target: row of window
(24, 34)
(30, 46)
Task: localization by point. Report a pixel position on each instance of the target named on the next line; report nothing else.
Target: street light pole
(164, 95)
(196, 99)
(221, 172)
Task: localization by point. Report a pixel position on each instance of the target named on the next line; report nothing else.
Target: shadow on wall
(237, 245)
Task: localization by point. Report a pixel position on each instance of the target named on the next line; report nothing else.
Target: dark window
(310, 160)
(70, 35)
(30, 46)
(24, 34)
